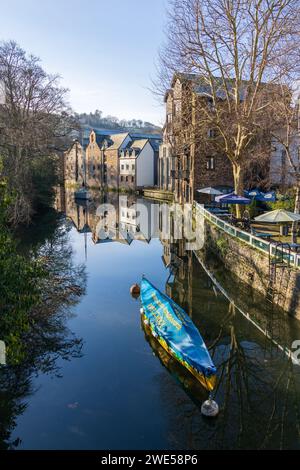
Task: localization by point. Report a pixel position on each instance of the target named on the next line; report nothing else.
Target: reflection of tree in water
(258, 392)
(49, 338)
(257, 385)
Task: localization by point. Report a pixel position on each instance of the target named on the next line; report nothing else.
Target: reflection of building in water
(258, 384)
(113, 217)
(179, 261)
(59, 201)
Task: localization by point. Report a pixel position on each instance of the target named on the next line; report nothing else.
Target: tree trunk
(296, 211)
(238, 176)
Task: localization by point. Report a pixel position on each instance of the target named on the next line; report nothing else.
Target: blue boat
(176, 333)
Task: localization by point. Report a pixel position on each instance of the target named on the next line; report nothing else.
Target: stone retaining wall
(252, 266)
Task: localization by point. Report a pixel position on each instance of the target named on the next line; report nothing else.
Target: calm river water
(120, 390)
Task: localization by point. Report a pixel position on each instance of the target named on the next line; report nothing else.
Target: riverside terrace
(253, 239)
(270, 267)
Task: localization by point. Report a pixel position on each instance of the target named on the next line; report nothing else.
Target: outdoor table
(294, 246)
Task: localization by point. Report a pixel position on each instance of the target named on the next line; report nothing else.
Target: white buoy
(141, 311)
(210, 408)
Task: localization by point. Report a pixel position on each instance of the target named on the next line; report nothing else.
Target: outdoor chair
(247, 225)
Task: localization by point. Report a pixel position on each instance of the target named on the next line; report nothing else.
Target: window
(126, 179)
(177, 108)
(122, 167)
(210, 163)
(127, 167)
(122, 178)
(169, 117)
(132, 179)
(164, 152)
(211, 133)
(133, 166)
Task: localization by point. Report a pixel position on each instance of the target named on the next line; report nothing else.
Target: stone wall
(93, 163)
(252, 267)
(221, 175)
(74, 165)
(111, 164)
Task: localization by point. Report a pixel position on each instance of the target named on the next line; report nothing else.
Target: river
(119, 390)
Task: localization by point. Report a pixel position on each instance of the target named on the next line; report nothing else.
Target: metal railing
(251, 240)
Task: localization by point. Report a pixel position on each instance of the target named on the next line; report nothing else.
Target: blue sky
(104, 50)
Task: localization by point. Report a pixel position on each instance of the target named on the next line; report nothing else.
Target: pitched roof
(138, 143)
(203, 88)
(155, 143)
(117, 140)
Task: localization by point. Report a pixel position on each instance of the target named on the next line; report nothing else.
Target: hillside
(98, 122)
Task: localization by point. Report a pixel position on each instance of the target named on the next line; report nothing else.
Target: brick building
(185, 164)
(117, 161)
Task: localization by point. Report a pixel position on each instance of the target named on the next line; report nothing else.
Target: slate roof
(203, 88)
(136, 145)
(117, 140)
(155, 143)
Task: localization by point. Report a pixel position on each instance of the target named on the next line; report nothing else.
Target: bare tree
(241, 50)
(34, 122)
(286, 135)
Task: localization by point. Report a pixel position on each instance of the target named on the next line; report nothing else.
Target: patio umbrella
(278, 216)
(210, 190)
(252, 193)
(232, 198)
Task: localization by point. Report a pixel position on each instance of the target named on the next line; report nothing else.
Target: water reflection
(131, 399)
(50, 339)
(258, 384)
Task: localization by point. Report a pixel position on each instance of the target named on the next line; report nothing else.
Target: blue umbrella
(232, 198)
(260, 196)
(252, 192)
(270, 196)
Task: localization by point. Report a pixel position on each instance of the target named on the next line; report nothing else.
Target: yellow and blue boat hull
(177, 334)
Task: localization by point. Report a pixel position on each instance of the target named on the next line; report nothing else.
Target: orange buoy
(135, 291)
